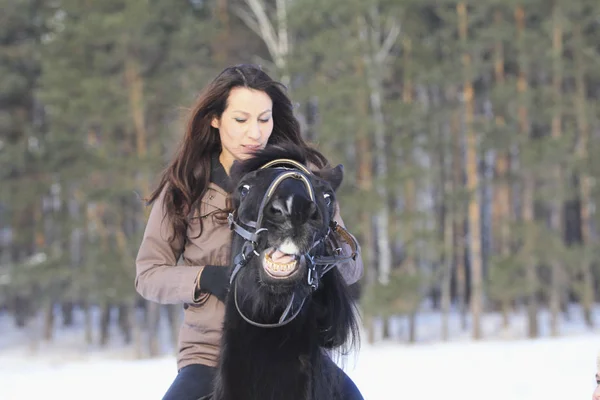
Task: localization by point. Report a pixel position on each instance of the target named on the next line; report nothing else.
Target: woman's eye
(244, 191)
(264, 121)
(327, 197)
(241, 121)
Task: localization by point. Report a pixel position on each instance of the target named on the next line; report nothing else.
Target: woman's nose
(254, 131)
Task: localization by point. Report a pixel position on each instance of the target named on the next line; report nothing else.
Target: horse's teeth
(281, 268)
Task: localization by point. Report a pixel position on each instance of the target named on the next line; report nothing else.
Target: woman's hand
(214, 279)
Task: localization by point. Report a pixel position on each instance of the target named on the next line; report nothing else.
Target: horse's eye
(244, 190)
(327, 197)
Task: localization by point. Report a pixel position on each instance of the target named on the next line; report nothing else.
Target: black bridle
(255, 238)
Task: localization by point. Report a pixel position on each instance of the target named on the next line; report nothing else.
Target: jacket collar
(218, 176)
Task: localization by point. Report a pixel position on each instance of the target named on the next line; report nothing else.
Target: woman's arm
(158, 277)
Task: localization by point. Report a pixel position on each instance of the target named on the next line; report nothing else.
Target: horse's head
(289, 208)
(284, 250)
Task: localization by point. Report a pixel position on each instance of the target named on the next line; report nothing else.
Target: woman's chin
(242, 155)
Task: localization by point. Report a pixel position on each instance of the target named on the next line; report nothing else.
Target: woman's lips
(252, 147)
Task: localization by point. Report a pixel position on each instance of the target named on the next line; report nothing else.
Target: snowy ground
(498, 368)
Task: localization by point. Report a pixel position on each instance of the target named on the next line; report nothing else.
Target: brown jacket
(159, 278)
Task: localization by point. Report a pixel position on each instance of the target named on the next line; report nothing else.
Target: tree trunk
(587, 299)
(221, 45)
(153, 318)
(476, 298)
(502, 194)
(22, 310)
(67, 313)
(382, 216)
(105, 324)
(284, 44)
(556, 206)
(374, 56)
(448, 215)
(88, 329)
(124, 322)
(48, 320)
(370, 328)
(136, 330)
(410, 197)
(528, 187)
(505, 309)
(34, 328)
(503, 200)
(365, 177)
(174, 317)
(386, 334)
(531, 269)
(76, 245)
(458, 221)
(135, 83)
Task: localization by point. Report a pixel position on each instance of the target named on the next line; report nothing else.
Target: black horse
(288, 304)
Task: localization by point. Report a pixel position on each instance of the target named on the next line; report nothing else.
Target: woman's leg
(349, 391)
(192, 382)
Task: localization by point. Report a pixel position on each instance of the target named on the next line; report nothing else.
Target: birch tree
(377, 40)
(273, 31)
(472, 180)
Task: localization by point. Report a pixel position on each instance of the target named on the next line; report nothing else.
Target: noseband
(255, 240)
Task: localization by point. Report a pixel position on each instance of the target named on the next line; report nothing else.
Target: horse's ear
(334, 176)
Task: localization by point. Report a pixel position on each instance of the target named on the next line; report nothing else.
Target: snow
(495, 368)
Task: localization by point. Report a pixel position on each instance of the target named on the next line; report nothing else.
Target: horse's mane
(269, 153)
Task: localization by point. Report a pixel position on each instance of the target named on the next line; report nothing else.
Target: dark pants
(196, 380)
(349, 389)
(191, 383)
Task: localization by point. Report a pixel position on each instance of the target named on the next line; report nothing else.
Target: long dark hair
(187, 177)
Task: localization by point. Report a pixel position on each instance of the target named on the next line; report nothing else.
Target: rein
(253, 235)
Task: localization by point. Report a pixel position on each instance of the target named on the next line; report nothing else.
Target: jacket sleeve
(351, 270)
(158, 277)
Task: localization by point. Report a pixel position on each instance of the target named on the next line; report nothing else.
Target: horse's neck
(265, 364)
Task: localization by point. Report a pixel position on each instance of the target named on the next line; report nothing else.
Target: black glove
(215, 280)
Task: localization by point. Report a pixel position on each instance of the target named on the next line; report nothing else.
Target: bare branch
(388, 43)
(267, 33)
(248, 19)
(282, 27)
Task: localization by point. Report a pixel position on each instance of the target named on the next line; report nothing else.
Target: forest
(466, 129)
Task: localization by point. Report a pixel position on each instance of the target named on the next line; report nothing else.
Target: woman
(241, 111)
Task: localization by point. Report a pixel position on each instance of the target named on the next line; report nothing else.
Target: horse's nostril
(278, 208)
(275, 210)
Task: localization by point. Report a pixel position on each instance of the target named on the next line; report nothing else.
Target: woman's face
(245, 126)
